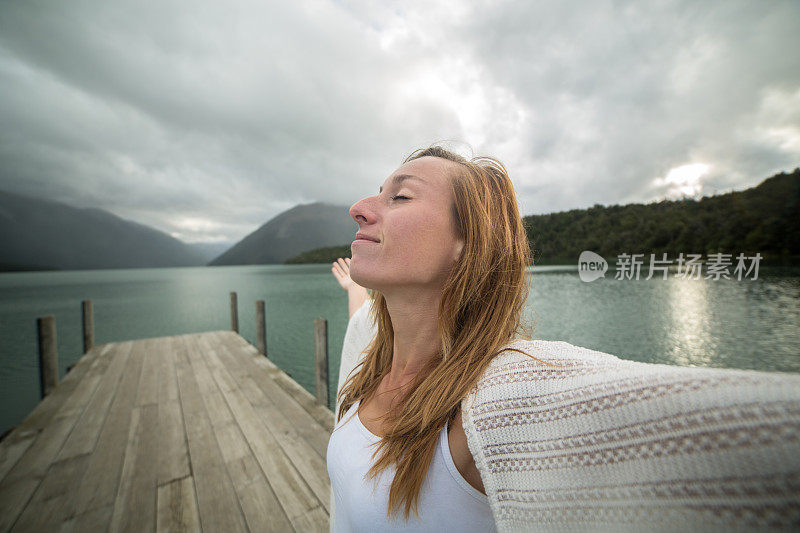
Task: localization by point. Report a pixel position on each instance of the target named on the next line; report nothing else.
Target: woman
(448, 412)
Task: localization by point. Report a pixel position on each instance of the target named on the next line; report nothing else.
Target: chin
(364, 281)
(356, 276)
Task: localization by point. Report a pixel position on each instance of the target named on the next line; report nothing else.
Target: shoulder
(528, 354)
(525, 361)
(361, 322)
(360, 329)
(360, 332)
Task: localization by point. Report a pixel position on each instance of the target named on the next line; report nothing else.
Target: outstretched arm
(356, 294)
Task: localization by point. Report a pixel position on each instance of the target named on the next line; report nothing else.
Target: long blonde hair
(479, 313)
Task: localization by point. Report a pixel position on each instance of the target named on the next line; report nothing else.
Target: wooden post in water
(321, 359)
(48, 354)
(234, 313)
(88, 325)
(261, 328)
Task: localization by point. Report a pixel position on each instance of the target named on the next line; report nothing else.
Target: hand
(341, 271)
(356, 294)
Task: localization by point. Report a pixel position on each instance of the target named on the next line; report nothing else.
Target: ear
(457, 250)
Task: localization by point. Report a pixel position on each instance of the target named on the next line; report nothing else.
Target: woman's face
(412, 220)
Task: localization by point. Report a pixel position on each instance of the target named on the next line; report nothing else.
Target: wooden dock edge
(319, 412)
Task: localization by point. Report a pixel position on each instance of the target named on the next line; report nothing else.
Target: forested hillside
(763, 219)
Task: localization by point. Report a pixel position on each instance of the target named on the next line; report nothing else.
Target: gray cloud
(206, 120)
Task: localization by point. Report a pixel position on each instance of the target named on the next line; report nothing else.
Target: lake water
(752, 324)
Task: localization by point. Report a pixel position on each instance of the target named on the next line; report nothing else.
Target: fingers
(341, 271)
(341, 268)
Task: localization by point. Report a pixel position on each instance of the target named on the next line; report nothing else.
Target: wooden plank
(261, 508)
(167, 378)
(305, 399)
(93, 520)
(286, 421)
(84, 390)
(274, 397)
(286, 432)
(24, 477)
(12, 448)
(128, 465)
(314, 520)
(135, 505)
(77, 402)
(14, 496)
(320, 413)
(218, 410)
(307, 461)
(291, 489)
(245, 469)
(51, 504)
(173, 453)
(288, 485)
(98, 487)
(83, 438)
(217, 503)
(232, 443)
(46, 409)
(177, 506)
(148, 385)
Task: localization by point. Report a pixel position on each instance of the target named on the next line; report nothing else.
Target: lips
(362, 236)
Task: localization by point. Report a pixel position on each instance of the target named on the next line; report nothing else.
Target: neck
(415, 317)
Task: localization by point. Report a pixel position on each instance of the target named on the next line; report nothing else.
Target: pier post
(234, 313)
(321, 359)
(261, 328)
(88, 325)
(48, 353)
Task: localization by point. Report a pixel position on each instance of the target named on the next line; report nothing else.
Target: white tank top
(447, 502)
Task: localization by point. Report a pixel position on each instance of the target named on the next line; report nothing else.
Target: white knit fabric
(600, 443)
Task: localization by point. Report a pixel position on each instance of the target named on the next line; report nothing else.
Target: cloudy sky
(206, 119)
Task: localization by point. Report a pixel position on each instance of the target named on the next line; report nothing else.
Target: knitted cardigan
(599, 443)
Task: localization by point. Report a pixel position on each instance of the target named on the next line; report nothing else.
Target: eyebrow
(400, 178)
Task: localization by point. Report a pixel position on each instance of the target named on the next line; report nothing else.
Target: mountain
(329, 254)
(210, 250)
(37, 234)
(763, 219)
(301, 228)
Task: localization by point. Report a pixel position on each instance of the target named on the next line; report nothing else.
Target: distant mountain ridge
(763, 219)
(41, 234)
(211, 250)
(301, 228)
(38, 234)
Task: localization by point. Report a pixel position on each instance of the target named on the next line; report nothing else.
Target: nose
(362, 212)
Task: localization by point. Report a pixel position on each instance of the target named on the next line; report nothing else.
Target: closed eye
(399, 196)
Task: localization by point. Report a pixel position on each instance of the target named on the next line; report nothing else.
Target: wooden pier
(183, 433)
